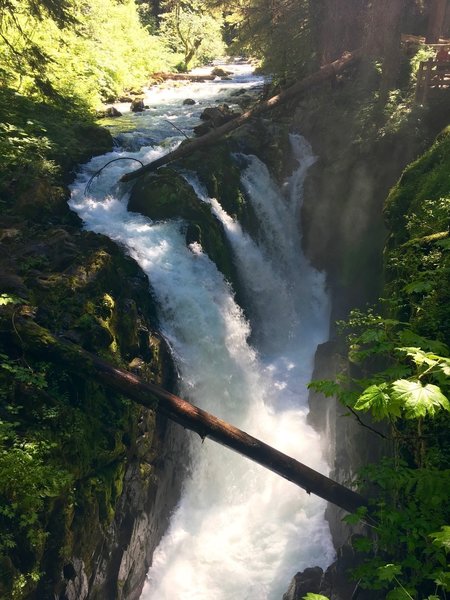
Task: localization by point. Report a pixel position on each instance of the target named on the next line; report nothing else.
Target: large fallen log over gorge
(32, 338)
(326, 72)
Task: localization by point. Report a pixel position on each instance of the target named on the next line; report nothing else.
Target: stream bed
(239, 532)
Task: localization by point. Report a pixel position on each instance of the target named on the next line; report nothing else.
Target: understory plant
(408, 537)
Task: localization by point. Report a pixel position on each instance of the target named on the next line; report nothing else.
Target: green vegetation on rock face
(418, 257)
(39, 144)
(65, 441)
(399, 367)
(167, 195)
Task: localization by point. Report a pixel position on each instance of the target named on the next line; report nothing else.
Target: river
(239, 532)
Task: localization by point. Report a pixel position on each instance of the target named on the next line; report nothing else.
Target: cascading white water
(239, 532)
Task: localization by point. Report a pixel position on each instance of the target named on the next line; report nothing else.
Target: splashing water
(239, 531)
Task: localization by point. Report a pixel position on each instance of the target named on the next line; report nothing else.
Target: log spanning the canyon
(182, 77)
(33, 338)
(325, 73)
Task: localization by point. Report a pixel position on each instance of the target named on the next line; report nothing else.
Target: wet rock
(308, 580)
(167, 195)
(77, 587)
(189, 102)
(137, 105)
(203, 129)
(218, 115)
(112, 111)
(219, 72)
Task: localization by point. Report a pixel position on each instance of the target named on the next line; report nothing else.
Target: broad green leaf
(418, 287)
(410, 338)
(420, 357)
(362, 544)
(9, 299)
(442, 538)
(311, 596)
(418, 400)
(444, 366)
(388, 572)
(356, 517)
(381, 404)
(399, 593)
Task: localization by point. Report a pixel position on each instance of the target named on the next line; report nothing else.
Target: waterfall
(239, 531)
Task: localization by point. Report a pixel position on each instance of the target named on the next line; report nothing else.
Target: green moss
(418, 252)
(426, 179)
(166, 195)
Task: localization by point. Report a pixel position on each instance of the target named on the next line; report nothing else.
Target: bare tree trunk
(325, 73)
(391, 48)
(436, 21)
(29, 336)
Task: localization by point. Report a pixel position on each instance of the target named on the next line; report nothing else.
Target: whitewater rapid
(239, 532)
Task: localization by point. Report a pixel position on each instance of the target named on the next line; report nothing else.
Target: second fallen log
(31, 337)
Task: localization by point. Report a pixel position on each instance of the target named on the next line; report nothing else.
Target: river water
(239, 532)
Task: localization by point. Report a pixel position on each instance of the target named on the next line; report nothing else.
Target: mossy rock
(428, 178)
(417, 256)
(167, 195)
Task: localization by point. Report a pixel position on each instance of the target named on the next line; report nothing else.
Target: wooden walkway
(432, 75)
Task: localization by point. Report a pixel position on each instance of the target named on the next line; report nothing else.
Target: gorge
(231, 276)
(232, 518)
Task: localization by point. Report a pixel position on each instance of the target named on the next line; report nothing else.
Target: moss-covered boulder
(417, 257)
(75, 458)
(167, 195)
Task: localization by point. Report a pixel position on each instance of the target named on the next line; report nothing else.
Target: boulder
(219, 72)
(137, 105)
(188, 102)
(112, 111)
(167, 195)
(203, 128)
(218, 115)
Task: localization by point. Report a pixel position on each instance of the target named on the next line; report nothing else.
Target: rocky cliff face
(114, 469)
(122, 458)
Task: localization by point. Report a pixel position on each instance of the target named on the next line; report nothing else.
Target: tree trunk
(436, 21)
(29, 336)
(186, 148)
(392, 47)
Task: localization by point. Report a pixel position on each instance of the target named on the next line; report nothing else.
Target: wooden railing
(432, 74)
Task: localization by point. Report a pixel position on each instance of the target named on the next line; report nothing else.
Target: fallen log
(182, 77)
(31, 337)
(326, 72)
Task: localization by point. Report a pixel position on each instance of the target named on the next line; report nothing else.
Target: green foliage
(277, 33)
(92, 59)
(418, 263)
(397, 373)
(192, 32)
(400, 558)
(311, 596)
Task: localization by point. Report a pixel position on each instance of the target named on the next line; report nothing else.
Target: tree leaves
(408, 398)
(377, 399)
(418, 400)
(442, 538)
(388, 572)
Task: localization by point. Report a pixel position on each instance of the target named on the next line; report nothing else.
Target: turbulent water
(239, 531)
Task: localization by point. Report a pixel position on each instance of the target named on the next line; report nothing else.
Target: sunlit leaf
(442, 538)
(381, 404)
(418, 400)
(388, 572)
